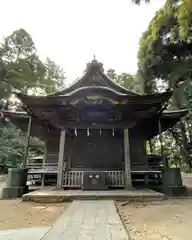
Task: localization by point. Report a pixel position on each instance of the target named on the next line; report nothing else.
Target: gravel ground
(167, 220)
(18, 214)
(164, 220)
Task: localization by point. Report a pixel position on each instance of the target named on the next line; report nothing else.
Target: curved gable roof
(95, 89)
(87, 80)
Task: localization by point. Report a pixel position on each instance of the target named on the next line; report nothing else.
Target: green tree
(165, 58)
(126, 80)
(21, 68)
(54, 77)
(12, 142)
(129, 81)
(112, 74)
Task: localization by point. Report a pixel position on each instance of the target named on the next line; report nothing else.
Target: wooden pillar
(43, 163)
(45, 152)
(127, 162)
(61, 159)
(165, 164)
(160, 136)
(27, 143)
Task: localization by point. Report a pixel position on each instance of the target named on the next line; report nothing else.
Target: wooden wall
(104, 152)
(137, 148)
(53, 140)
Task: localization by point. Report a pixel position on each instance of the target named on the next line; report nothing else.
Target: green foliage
(53, 78)
(126, 80)
(129, 81)
(165, 46)
(165, 58)
(22, 70)
(112, 74)
(12, 143)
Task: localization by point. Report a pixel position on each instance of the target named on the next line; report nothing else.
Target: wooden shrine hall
(95, 131)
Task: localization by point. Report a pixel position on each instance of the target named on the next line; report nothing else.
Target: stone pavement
(83, 220)
(87, 220)
(24, 233)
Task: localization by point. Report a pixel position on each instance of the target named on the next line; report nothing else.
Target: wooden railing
(74, 179)
(115, 178)
(38, 171)
(38, 168)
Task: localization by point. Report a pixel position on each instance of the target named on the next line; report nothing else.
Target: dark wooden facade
(94, 113)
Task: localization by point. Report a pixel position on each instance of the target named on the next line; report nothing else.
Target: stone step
(51, 196)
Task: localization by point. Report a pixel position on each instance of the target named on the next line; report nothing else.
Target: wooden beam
(107, 125)
(61, 159)
(127, 162)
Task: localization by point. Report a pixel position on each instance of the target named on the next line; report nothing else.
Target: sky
(70, 32)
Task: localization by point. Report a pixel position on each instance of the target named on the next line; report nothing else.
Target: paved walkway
(83, 220)
(88, 220)
(24, 233)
